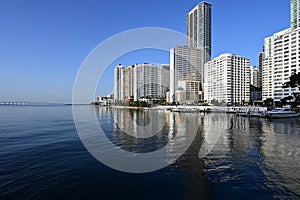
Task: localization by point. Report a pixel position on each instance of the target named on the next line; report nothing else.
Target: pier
(24, 103)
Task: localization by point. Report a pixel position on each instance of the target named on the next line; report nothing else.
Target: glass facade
(198, 22)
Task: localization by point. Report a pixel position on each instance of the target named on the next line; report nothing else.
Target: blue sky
(44, 42)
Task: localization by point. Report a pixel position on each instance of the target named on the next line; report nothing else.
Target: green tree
(215, 102)
(269, 102)
(138, 104)
(294, 81)
(162, 101)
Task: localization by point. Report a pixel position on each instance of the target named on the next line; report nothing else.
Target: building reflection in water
(281, 149)
(263, 155)
(257, 151)
(177, 129)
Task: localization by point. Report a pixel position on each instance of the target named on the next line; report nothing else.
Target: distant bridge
(24, 103)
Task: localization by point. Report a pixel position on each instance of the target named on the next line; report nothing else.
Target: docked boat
(243, 114)
(282, 113)
(259, 114)
(184, 110)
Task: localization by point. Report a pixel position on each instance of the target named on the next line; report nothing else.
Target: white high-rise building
(117, 83)
(282, 59)
(127, 78)
(227, 80)
(141, 80)
(164, 78)
(267, 79)
(149, 81)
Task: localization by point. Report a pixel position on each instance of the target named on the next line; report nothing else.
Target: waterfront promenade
(229, 109)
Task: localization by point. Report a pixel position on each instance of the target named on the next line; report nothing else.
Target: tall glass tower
(295, 14)
(198, 26)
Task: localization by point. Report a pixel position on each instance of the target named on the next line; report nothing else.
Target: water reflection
(195, 182)
(281, 149)
(253, 158)
(256, 157)
(185, 126)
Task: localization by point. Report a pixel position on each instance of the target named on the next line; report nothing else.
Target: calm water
(42, 157)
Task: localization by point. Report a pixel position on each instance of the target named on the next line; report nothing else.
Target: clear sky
(44, 42)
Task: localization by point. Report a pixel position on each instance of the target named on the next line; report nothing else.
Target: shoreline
(230, 109)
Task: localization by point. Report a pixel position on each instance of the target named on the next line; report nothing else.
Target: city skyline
(42, 51)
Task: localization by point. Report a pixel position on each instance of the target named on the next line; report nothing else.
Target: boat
(284, 112)
(243, 114)
(185, 110)
(259, 114)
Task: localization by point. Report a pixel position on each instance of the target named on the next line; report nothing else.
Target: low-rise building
(104, 101)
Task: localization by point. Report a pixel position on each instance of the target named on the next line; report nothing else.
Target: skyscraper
(148, 80)
(198, 26)
(261, 56)
(187, 62)
(295, 14)
(117, 83)
(255, 76)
